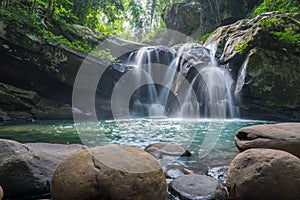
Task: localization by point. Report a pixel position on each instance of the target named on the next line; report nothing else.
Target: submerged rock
(109, 172)
(26, 169)
(174, 171)
(219, 173)
(167, 149)
(282, 136)
(264, 174)
(196, 187)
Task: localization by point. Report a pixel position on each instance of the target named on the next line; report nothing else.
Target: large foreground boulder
(282, 136)
(264, 174)
(109, 172)
(26, 169)
(196, 186)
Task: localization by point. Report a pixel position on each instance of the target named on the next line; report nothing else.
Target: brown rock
(282, 136)
(168, 149)
(264, 174)
(109, 172)
(1, 193)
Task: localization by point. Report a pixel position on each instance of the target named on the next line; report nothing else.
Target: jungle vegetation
(55, 19)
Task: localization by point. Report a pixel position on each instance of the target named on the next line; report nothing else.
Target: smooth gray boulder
(195, 186)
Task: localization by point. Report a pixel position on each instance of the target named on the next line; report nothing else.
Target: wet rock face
(109, 172)
(264, 174)
(263, 63)
(20, 104)
(196, 187)
(196, 18)
(282, 136)
(272, 78)
(26, 169)
(32, 63)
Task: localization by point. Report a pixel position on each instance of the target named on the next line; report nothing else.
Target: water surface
(192, 134)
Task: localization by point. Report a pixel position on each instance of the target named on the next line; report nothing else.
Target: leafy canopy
(278, 5)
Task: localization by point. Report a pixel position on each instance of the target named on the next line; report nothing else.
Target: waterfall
(182, 81)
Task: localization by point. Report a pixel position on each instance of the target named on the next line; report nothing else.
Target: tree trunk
(4, 4)
(50, 10)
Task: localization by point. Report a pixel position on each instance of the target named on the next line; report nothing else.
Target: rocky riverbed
(261, 172)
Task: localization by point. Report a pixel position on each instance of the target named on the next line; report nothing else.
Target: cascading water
(191, 83)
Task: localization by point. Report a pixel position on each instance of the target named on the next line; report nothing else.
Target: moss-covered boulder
(263, 54)
(273, 78)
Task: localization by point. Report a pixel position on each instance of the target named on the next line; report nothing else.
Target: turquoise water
(211, 142)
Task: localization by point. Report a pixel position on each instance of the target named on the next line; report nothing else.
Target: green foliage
(35, 24)
(105, 55)
(277, 5)
(28, 23)
(154, 35)
(60, 39)
(240, 48)
(52, 20)
(268, 22)
(205, 37)
(285, 34)
(288, 37)
(136, 11)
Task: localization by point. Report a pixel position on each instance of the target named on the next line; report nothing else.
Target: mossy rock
(274, 78)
